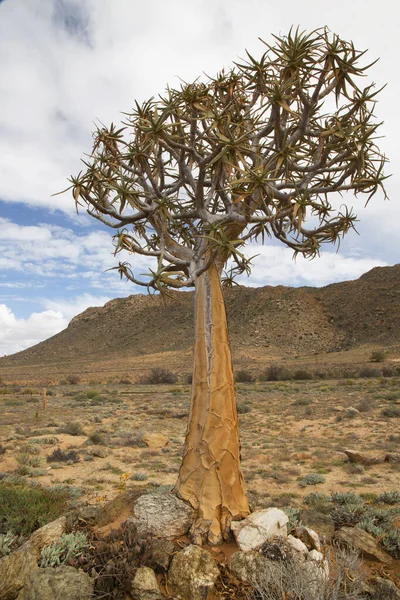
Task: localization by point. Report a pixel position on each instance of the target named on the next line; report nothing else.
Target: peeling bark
(210, 476)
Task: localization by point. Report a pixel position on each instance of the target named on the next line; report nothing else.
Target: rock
(309, 537)
(160, 553)
(155, 440)
(192, 574)
(363, 542)
(259, 527)
(99, 451)
(361, 459)
(83, 515)
(251, 567)
(392, 458)
(57, 584)
(385, 589)
(322, 524)
(315, 555)
(120, 505)
(15, 568)
(316, 575)
(297, 545)
(351, 411)
(163, 515)
(145, 585)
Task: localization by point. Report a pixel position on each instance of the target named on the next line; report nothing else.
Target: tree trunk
(210, 476)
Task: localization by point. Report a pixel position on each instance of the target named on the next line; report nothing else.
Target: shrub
(139, 476)
(389, 497)
(73, 379)
(366, 404)
(92, 393)
(2, 449)
(72, 428)
(131, 438)
(97, 438)
(391, 543)
(68, 548)
(7, 543)
(244, 376)
(61, 456)
(188, 378)
(377, 356)
(276, 373)
(369, 372)
(302, 402)
(30, 391)
(391, 411)
(159, 375)
(243, 408)
(302, 375)
(125, 382)
(24, 509)
(312, 479)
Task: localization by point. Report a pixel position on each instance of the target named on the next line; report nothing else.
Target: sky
(67, 64)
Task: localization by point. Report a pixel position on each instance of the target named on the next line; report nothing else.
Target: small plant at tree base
(68, 548)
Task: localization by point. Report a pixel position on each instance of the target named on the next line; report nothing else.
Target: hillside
(278, 321)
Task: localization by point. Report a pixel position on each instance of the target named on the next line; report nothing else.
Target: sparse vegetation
(72, 428)
(66, 550)
(244, 376)
(60, 456)
(158, 375)
(377, 356)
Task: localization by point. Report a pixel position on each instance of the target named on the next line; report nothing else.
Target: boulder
(156, 441)
(297, 545)
(57, 584)
(351, 411)
(252, 567)
(15, 568)
(122, 504)
(309, 537)
(258, 527)
(315, 556)
(192, 574)
(322, 524)
(163, 515)
(361, 459)
(363, 542)
(145, 585)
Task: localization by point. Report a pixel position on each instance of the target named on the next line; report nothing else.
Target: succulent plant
(68, 547)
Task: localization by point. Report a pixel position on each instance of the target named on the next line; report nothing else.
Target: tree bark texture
(210, 476)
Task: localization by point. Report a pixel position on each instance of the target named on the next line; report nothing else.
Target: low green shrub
(72, 428)
(302, 375)
(391, 412)
(312, 479)
(244, 376)
(377, 356)
(24, 509)
(60, 456)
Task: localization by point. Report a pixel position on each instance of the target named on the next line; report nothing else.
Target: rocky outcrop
(145, 585)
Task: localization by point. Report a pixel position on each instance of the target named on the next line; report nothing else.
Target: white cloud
(17, 334)
(274, 265)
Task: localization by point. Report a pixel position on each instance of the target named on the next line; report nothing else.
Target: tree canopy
(261, 150)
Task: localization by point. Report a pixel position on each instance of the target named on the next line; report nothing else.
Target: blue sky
(66, 63)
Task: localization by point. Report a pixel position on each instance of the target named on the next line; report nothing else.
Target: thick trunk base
(210, 477)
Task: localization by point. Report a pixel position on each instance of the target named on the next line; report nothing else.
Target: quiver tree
(261, 151)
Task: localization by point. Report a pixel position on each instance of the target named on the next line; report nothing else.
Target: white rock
(258, 527)
(315, 555)
(309, 537)
(297, 545)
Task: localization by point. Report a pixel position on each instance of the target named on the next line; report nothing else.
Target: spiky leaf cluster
(261, 150)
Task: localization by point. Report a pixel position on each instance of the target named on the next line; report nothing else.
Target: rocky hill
(281, 320)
